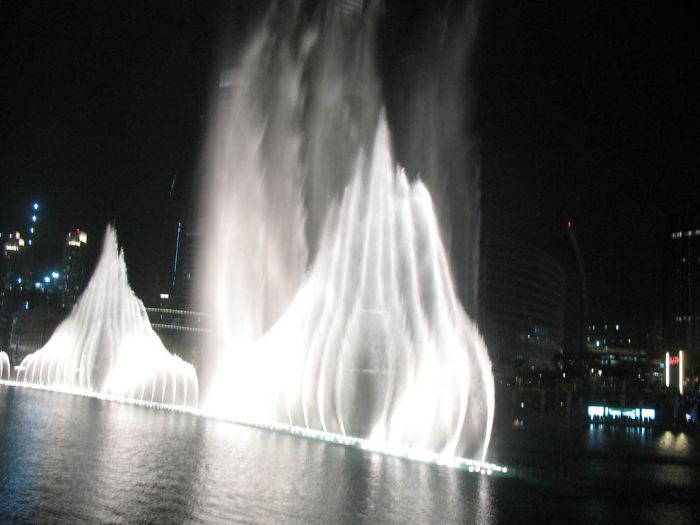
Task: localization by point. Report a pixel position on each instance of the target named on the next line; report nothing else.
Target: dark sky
(101, 108)
(586, 110)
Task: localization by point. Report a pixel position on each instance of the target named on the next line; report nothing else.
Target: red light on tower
(568, 224)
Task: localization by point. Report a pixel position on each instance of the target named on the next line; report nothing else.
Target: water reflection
(484, 510)
(673, 444)
(68, 459)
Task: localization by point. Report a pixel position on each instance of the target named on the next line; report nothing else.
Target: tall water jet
(353, 327)
(305, 101)
(107, 347)
(5, 370)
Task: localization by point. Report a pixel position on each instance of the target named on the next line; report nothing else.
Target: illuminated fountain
(355, 332)
(107, 348)
(335, 311)
(5, 370)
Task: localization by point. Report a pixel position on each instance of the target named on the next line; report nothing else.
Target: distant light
(54, 275)
(37, 285)
(33, 218)
(600, 372)
(617, 327)
(631, 413)
(35, 205)
(31, 230)
(47, 279)
(165, 296)
(568, 224)
(522, 405)
(19, 280)
(649, 413)
(595, 411)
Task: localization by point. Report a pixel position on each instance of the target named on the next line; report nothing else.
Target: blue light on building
(637, 414)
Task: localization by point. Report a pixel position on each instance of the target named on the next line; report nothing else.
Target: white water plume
(332, 294)
(107, 347)
(375, 341)
(5, 370)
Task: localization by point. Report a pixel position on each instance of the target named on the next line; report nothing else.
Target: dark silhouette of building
(682, 289)
(14, 278)
(615, 351)
(74, 271)
(14, 270)
(521, 307)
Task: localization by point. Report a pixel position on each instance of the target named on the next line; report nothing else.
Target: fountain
(5, 370)
(351, 329)
(107, 348)
(337, 317)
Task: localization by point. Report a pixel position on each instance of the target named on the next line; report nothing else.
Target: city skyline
(110, 127)
(348, 261)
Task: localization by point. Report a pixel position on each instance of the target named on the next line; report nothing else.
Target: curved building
(521, 306)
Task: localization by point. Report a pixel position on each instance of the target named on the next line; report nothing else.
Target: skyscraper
(74, 272)
(14, 270)
(682, 289)
(521, 310)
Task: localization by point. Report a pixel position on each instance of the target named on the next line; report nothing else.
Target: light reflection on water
(68, 459)
(674, 444)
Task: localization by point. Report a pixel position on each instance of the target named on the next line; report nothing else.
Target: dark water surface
(66, 459)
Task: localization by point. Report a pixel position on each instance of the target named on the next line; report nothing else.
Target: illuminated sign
(639, 414)
(676, 360)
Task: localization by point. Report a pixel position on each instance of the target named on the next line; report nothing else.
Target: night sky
(586, 111)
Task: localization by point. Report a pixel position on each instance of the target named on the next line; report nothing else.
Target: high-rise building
(615, 351)
(682, 289)
(74, 274)
(14, 270)
(521, 307)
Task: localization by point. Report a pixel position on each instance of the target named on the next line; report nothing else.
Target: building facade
(615, 352)
(521, 307)
(14, 270)
(74, 272)
(682, 290)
